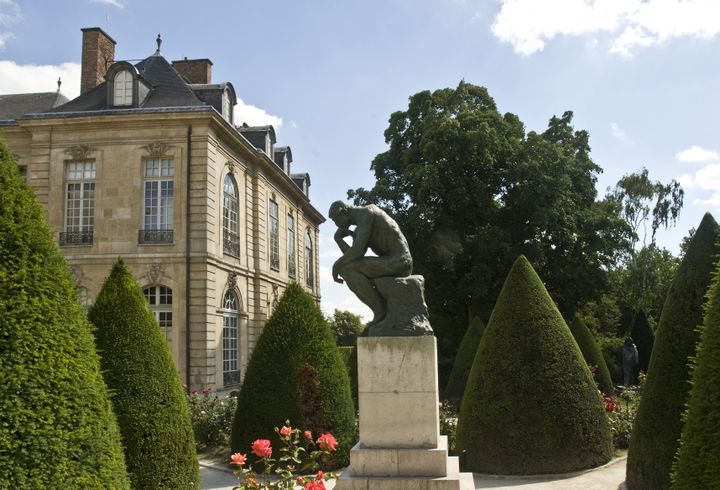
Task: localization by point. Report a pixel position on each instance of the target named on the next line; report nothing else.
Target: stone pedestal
(400, 444)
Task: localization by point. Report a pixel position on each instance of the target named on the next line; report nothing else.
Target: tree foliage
(346, 326)
(472, 191)
(530, 405)
(149, 400)
(696, 464)
(57, 429)
(295, 359)
(644, 339)
(658, 424)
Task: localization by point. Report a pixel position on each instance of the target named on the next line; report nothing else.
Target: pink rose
(327, 442)
(315, 485)
(308, 434)
(261, 448)
(238, 459)
(320, 475)
(285, 431)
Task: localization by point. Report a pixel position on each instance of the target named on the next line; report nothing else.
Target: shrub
(697, 460)
(592, 354)
(463, 361)
(57, 429)
(349, 356)
(211, 418)
(149, 401)
(611, 348)
(530, 405)
(644, 339)
(295, 338)
(448, 426)
(658, 423)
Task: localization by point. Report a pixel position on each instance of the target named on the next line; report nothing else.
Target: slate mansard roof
(14, 106)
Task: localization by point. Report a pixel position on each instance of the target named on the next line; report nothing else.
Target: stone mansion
(149, 164)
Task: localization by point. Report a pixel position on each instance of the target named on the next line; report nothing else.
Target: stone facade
(191, 256)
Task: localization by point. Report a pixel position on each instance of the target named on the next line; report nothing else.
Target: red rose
(308, 434)
(238, 459)
(320, 475)
(261, 448)
(327, 442)
(285, 431)
(315, 485)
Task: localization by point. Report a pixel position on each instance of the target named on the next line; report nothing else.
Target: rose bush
(299, 457)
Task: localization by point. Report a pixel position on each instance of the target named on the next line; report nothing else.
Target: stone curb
(552, 476)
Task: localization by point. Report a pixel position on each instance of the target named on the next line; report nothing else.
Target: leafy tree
(464, 361)
(530, 404)
(57, 429)
(149, 400)
(346, 326)
(658, 423)
(471, 191)
(295, 360)
(696, 463)
(592, 354)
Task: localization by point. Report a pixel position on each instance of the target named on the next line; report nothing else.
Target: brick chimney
(194, 71)
(98, 53)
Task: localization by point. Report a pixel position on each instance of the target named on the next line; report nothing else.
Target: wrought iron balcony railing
(76, 237)
(231, 244)
(155, 236)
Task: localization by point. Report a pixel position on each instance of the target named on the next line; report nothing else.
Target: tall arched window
(231, 369)
(231, 237)
(309, 262)
(123, 88)
(160, 299)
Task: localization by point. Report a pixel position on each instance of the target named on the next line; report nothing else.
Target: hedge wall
(57, 429)
(657, 427)
(296, 336)
(149, 400)
(530, 405)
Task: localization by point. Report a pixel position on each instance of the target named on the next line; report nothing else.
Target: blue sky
(642, 76)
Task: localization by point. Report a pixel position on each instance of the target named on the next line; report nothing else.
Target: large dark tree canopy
(472, 191)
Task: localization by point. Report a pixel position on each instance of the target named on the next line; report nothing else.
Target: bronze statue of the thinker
(383, 281)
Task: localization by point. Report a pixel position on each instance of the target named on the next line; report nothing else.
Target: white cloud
(708, 177)
(713, 201)
(529, 24)
(686, 180)
(254, 116)
(618, 132)
(18, 79)
(697, 154)
(114, 3)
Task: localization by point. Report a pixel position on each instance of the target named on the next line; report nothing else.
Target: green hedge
(658, 424)
(592, 354)
(611, 348)
(697, 463)
(57, 429)
(149, 401)
(295, 337)
(530, 404)
(349, 356)
(464, 361)
(644, 339)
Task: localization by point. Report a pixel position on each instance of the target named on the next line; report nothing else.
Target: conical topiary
(592, 354)
(464, 361)
(57, 429)
(697, 463)
(295, 342)
(644, 339)
(657, 427)
(148, 399)
(530, 404)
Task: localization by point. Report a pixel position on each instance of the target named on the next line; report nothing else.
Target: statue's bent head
(339, 214)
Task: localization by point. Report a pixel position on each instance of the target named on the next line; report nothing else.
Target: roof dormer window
(227, 106)
(123, 88)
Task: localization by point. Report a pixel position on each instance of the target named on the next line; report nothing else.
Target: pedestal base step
(453, 481)
(394, 462)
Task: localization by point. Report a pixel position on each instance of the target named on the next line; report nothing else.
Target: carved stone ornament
(79, 152)
(156, 150)
(232, 280)
(231, 168)
(77, 274)
(154, 272)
